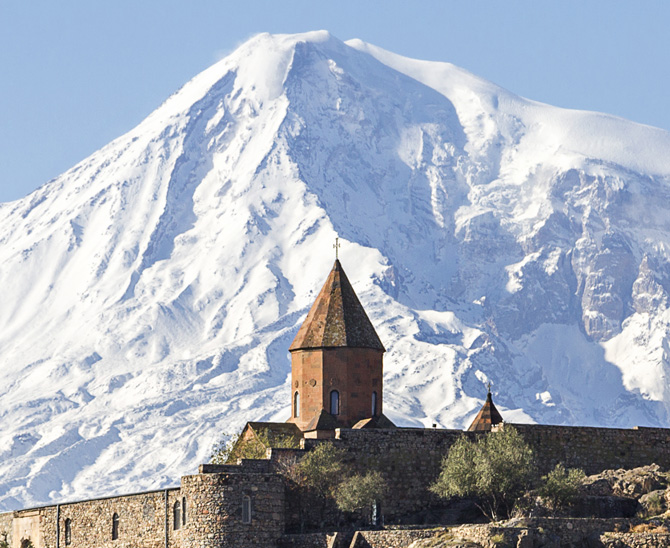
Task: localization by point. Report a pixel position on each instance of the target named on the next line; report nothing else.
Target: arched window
(183, 510)
(374, 404)
(296, 404)
(176, 515)
(246, 509)
(115, 526)
(68, 531)
(334, 402)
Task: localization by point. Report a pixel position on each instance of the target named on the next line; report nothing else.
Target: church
(336, 397)
(336, 364)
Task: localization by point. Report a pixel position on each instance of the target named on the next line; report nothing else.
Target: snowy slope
(151, 292)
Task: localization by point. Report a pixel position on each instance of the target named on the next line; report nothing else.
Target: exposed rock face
(650, 289)
(627, 483)
(556, 533)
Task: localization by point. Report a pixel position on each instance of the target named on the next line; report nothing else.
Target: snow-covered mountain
(150, 293)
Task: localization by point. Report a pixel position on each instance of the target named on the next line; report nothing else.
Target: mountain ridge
(152, 291)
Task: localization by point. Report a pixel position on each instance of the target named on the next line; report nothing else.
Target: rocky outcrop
(627, 483)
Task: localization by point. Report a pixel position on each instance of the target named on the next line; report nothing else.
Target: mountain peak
(159, 283)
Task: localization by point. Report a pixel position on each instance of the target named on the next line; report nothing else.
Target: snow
(151, 292)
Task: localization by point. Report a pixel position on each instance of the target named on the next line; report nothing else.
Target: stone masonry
(354, 372)
(141, 522)
(211, 503)
(217, 501)
(597, 449)
(408, 458)
(207, 511)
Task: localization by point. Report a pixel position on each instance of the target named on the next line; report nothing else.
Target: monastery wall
(240, 506)
(30, 525)
(597, 449)
(141, 522)
(231, 502)
(249, 503)
(408, 458)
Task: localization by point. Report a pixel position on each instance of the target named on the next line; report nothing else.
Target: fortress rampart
(139, 519)
(243, 507)
(246, 505)
(409, 459)
(597, 449)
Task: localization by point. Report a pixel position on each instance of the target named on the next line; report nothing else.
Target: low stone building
(337, 398)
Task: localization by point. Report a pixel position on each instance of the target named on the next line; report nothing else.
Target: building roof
(378, 421)
(488, 416)
(337, 318)
(273, 430)
(322, 421)
(257, 437)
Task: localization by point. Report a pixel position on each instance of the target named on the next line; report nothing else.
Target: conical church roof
(488, 416)
(337, 318)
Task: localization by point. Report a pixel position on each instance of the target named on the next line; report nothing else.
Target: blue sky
(76, 74)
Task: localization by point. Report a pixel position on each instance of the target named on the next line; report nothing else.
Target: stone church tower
(336, 363)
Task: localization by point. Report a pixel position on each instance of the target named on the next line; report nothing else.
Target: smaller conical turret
(487, 417)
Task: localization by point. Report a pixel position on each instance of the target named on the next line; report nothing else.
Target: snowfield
(151, 292)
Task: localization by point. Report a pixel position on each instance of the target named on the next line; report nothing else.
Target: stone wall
(207, 511)
(408, 458)
(635, 540)
(141, 522)
(30, 525)
(597, 449)
(388, 538)
(529, 533)
(217, 509)
(309, 540)
(27, 525)
(392, 538)
(213, 500)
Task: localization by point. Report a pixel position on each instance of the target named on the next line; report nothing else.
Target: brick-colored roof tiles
(337, 318)
(488, 416)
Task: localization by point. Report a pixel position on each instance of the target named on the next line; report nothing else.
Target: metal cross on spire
(337, 246)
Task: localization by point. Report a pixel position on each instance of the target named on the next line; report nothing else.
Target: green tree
(222, 451)
(496, 469)
(360, 492)
(322, 469)
(560, 487)
(313, 479)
